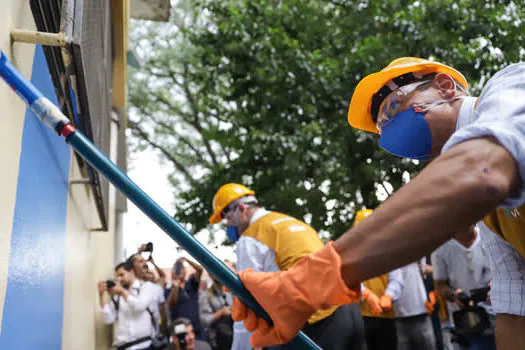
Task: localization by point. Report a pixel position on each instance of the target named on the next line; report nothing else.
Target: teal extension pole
(52, 116)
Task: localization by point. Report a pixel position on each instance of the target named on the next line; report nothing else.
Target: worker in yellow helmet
(376, 307)
(271, 241)
(421, 110)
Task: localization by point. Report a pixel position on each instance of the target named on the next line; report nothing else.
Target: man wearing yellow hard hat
(271, 241)
(421, 110)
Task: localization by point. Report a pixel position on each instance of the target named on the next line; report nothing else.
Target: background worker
(412, 309)
(422, 110)
(376, 306)
(271, 241)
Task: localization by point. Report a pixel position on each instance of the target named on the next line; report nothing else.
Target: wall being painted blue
(33, 308)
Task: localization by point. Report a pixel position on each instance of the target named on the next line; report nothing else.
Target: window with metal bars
(82, 75)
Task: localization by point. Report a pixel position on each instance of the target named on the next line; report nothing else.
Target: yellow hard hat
(361, 215)
(360, 114)
(224, 196)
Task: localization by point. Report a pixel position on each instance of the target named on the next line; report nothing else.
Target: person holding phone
(183, 296)
(144, 249)
(127, 308)
(158, 305)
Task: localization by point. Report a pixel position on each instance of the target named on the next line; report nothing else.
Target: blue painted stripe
(33, 306)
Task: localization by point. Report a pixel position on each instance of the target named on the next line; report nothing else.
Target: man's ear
(446, 85)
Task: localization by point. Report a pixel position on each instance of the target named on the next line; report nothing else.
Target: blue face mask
(233, 233)
(407, 135)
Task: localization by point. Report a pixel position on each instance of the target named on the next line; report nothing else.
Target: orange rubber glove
(291, 296)
(432, 300)
(373, 301)
(386, 302)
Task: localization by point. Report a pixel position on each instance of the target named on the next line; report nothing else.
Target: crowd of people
(423, 254)
(438, 302)
(147, 313)
(421, 109)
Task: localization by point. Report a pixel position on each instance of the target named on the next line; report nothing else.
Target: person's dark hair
(126, 265)
(130, 258)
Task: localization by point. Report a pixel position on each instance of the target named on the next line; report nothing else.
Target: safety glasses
(392, 104)
(227, 210)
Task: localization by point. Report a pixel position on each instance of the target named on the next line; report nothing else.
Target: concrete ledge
(153, 10)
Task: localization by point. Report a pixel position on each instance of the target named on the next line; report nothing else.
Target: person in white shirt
(127, 309)
(461, 265)
(413, 324)
(158, 305)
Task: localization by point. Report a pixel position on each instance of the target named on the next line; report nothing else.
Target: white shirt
(133, 321)
(500, 113)
(395, 284)
(410, 300)
(251, 254)
(156, 304)
(464, 268)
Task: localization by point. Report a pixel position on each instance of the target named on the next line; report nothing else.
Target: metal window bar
(49, 114)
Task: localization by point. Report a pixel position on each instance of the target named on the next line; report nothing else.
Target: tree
(257, 92)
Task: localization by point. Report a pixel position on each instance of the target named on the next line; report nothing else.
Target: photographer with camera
(215, 316)
(157, 308)
(183, 336)
(127, 308)
(460, 267)
(149, 275)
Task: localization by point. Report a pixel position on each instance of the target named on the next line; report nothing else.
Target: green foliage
(257, 92)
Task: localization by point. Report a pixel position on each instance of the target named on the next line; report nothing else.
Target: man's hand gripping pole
(51, 115)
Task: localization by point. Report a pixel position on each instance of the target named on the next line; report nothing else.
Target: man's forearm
(509, 332)
(163, 319)
(456, 190)
(173, 297)
(198, 269)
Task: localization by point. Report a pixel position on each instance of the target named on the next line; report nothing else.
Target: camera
(479, 295)
(472, 319)
(149, 247)
(110, 284)
(179, 330)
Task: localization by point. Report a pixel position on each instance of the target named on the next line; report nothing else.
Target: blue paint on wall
(33, 307)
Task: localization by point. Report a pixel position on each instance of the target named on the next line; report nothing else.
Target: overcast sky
(146, 171)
